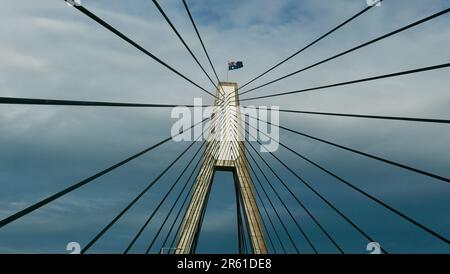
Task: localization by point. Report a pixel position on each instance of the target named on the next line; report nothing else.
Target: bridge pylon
(224, 151)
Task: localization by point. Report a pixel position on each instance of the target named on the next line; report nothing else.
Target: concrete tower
(225, 151)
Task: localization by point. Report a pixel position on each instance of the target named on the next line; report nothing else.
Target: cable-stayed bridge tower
(225, 151)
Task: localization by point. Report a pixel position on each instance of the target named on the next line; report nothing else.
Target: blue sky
(50, 50)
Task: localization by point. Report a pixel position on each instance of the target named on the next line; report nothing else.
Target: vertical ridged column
(228, 154)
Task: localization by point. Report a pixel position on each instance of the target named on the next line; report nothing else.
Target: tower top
(223, 83)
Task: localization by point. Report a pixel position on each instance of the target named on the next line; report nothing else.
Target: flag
(232, 65)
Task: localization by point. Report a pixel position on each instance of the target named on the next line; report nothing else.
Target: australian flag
(232, 65)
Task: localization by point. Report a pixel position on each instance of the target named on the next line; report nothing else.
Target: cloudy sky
(50, 50)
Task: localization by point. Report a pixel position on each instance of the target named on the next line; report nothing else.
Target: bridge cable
(164, 198)
(415, 170)
(353, 81)
(151, 184)
(352, 115)
(354, 48)
(322, 197)
(423, 227)
(240, 230)
(182, 41)
(137, 46)
(165, 220)
(162, 201)
(33, 101)
(273, 207)
(75, 186)
(271, 223)
(244, 225)
(180, 209)
(214, 150)
(279, 198)
(200, 38)
(309, 45)
(234, 129)
(299, 202)
(173, 206)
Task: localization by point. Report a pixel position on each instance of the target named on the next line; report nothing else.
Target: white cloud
(54, 51)
(19, 60)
